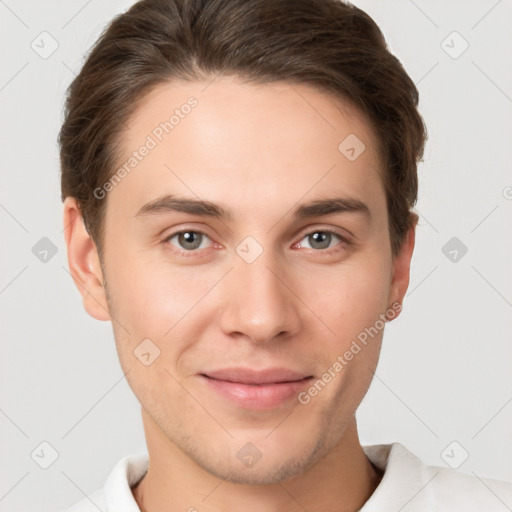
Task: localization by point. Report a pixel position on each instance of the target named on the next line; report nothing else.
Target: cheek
(348, 356)
(348, 299)
(151, 296)
(151, 301)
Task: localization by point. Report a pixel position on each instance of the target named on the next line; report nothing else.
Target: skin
(260, 151)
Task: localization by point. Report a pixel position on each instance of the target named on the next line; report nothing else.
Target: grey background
(445, 368)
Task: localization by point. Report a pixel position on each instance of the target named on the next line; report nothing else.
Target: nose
(258, 302)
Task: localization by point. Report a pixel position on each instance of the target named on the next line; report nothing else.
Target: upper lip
(249, 376)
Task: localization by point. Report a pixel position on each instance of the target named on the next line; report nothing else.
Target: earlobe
(401, 269)
(84, 263)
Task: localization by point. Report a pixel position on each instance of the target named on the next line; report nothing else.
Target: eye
(321, 240)
(189, 240)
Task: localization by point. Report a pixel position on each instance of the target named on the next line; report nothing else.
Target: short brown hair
(329, 44)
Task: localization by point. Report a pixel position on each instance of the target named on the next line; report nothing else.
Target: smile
(256, 389)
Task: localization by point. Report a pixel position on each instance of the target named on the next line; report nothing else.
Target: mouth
(256, 389)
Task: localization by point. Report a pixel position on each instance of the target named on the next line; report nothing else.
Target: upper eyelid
(324, 230)
(321, 230)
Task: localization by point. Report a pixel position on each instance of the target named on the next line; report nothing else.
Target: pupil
(190, 240)
(320, 240)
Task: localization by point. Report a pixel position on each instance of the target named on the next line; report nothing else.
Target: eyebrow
(317, 208)
(170, 203)
(332, 205)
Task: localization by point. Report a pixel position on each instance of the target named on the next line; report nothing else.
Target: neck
(342, 481)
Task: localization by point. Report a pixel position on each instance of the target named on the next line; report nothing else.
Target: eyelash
(343, 242)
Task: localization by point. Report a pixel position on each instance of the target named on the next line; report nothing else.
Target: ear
(401, 268)
(84, 263)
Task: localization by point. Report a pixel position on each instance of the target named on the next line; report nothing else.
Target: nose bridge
(258, 304)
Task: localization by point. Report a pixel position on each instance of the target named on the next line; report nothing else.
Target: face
(248, 268)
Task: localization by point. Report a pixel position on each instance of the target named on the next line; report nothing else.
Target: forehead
(275, 141)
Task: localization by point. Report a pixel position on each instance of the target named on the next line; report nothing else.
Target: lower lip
(261, 396)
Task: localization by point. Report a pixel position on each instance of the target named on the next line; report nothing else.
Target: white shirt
(407, 485)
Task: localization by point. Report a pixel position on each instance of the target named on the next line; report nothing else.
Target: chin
(263, 475)
(269, 466)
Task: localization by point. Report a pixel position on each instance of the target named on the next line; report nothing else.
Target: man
(238, 179)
